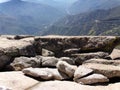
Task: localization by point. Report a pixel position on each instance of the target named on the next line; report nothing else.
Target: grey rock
(68, 60)
(16, 48)
(110, 71)
(44, 73)
(66, 68)
(49, 61)
(103, 61)
(93, 79)
(80, 58)
(82, 71)
(68, 52)
(20, 63)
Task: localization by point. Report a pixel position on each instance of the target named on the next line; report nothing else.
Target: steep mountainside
(26, 17)
(99, 22)
(81, 6)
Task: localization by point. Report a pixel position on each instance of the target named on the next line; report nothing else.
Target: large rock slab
(13, 48)
(44, 73)
(20, 63)
(93, 79)
(109, 71)
(58, 44)
(16, 48)
(80, 58)
(82, 72)
(49, 61)
(104, 61)
(52, 61)
(67, 85)
(16, 81)
(66, 68)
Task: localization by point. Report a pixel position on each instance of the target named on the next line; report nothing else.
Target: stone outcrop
(60, 44)
(49, 61)
(20, 63)
(93, 79)
(14, 48)
(44, 73)
(80, 59)
(109, 71)
(81, 72)
(103, 61)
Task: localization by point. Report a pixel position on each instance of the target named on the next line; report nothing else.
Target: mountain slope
(99, 22)
(81, 6)
(30, 17)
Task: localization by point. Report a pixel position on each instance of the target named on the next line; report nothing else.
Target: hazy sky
(3, 1)
(66, 1)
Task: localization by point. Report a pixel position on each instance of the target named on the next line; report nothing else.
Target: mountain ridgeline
(98, 22)
(21, 17)
(81, 6)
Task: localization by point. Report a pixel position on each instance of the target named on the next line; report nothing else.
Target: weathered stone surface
(115, 54)
(49, 61)
(59, 44)
(44, 73)
(67, 85)
(93, 79)
(104, 61)
(109, 71)
(58, 75)
(13, 48)
(66, 68)
(80, 58)
(20, 63)
(16, 48)
(68, 52)
(16, 81)
(68, 60)
(46, 53)
(82, 71)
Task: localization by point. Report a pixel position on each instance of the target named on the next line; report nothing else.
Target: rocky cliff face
(82, 59)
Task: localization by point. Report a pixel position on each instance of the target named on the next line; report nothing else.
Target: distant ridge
(98, 22)
(21, 17)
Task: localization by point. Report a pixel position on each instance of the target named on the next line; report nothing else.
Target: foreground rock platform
(16, 81)
(36, 62)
